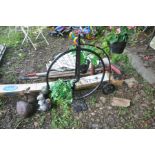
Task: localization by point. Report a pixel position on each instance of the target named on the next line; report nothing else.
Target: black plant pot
(117, 47)
(84, 67)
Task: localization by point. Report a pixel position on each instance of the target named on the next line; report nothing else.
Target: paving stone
(136, 62)
(102, 99)
(131, 82)
(120, 102)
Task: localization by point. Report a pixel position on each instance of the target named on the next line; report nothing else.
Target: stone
(131, 82)
(120, 102)
(94, 126)
(109, 107)
(102, 99)
(153, 102)
(93, 114)
(36, 124)
(24, 109)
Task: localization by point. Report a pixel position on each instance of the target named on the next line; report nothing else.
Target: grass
(42, 120)
(93, 100)
(10, 38)
(122, 111)
(149, 113)
(62, 120)
(2, 101)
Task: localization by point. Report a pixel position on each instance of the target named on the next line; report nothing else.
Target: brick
(120, 102)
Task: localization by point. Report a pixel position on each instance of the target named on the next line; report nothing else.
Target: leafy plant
(85, 55)
(119, 33)
(119, 57)
(10, 38)
(105, 45)
(61, 92)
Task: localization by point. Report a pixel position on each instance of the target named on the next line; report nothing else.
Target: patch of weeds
(119, 58)
(2, 102)
(61, 94)
(149, 91)
(22, 56)
(11, 78)
(93, 100)
(40, 66)
(12, 40)
(62, 119)
(149, 113)
(42, 120)
(129, 125)
(122, 111)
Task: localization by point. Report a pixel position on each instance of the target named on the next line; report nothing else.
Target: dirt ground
(100, 114)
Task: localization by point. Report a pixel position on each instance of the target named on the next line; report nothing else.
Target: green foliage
(62, 120)
(61, 92)
(100, 29)
(119, 58)
(2, 102)
(119, 34)
(10, 38)
(105, 45)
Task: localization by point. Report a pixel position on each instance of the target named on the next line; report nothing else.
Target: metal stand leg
(41, 33)
(27, 37)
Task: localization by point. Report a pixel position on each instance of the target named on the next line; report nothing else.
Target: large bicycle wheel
(65, 64)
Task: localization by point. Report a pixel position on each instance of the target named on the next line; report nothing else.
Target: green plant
(85, 55)
(119, 33)
(12, 39)
(61, 94)
(105, 45)
(119, 58)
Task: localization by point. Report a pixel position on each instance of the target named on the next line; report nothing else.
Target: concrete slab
(147, 73)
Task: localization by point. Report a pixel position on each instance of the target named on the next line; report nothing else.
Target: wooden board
(85, 82)
(56, 74)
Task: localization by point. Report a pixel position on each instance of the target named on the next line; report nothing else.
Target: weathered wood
(84, 82)
(56, 74)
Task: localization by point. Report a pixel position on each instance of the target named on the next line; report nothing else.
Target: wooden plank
(84, 82)
(56, 74)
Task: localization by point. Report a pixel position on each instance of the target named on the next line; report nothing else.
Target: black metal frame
(78, 50)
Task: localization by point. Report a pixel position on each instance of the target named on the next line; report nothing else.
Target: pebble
(109, 107)
(36, 124)
(93, 114)
(102, 99)
(153, 102)
(24, 109)
(131, 82)
(94, 126)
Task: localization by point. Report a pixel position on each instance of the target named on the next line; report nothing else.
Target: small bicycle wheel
(64, 66)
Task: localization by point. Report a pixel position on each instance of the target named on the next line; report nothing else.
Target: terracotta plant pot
(117, 47)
